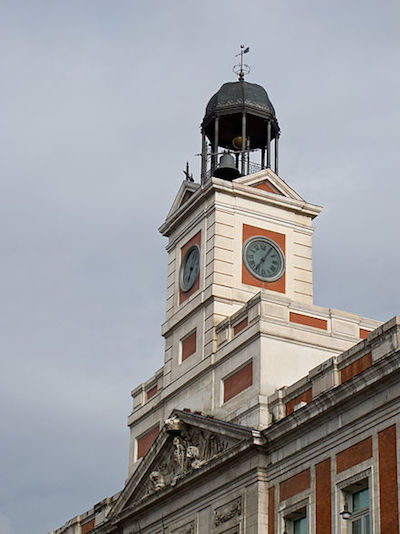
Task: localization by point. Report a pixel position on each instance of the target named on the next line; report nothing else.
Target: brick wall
(144, 442)
(238, 381)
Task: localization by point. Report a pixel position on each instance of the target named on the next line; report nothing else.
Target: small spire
(242, 68)
(189, 176)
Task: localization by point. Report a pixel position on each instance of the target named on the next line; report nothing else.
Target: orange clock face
(263, 259)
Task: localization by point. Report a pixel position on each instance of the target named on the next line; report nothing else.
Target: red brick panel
(240, 326)
(184, 295)
(323, 518)
(308, 321)
(87, 527)
(186, 197)
(189, 346)
(264, 186)
(354, 455)
(279, 239)
(388, 490)
(271, 510)
(306, 396)
(151, 392)
(144, 443)
(364, 333)
(238, 382)
(294, 485)
(356, 367)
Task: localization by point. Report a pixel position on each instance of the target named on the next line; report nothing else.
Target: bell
(227, 169)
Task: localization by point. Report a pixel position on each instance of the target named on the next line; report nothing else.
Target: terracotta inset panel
(308, 321)
(240, 326)
(364, 333)
(144, 443)
(293, 485)
(323, 516)
(271, 510)
(239, 381)
(306, 397)
(184, 295)
(151, 392)
(388, 489)
(356, 367)
(279, 239)
(188, 346)
(186, 197)
(354, 455)
(265, 186)
(87, 527)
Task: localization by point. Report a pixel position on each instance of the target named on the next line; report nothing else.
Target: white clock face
(263, 259)
(190, 268)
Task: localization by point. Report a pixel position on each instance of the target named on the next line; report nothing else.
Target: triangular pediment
(186, 191)
(266, 180)
(186, 445)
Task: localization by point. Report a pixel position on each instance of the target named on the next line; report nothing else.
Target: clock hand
(189, 272)
(263, 259)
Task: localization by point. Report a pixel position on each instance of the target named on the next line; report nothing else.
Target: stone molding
(185, 529)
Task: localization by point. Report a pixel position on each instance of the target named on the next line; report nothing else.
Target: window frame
(363, 512)
(345, 490)
(289, 514)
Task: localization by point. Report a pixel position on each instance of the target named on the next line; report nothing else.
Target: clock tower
(240, 318)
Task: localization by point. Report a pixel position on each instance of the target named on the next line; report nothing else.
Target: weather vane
(241, 68)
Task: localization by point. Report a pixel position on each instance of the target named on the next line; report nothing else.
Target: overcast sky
(100, 106)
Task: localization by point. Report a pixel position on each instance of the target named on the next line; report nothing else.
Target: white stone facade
(280, 349)
(314, 413)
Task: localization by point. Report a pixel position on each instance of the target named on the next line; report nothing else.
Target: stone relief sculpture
(228, 511)
(179, 454)
(173, 424)
(157, 480)
(193, 454)
(188, 450)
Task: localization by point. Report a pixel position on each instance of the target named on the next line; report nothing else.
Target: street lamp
(346, 514)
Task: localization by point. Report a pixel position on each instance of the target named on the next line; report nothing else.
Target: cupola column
(263, 158)
(214, 157)
(203, 156)
(276, 152)
(243, 171)
(269, 144)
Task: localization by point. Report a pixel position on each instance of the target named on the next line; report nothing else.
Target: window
(300, 526)
(356, 499)
(360, 512)
(296, 522)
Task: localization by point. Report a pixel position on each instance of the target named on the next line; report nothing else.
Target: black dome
(237, 96)
(229, 103)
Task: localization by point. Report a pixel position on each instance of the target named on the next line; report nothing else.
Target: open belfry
(270, 414)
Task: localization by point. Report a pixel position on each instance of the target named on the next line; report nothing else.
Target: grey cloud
(101, 105)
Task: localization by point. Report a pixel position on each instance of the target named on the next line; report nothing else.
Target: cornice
(235, 189)
(333, 402)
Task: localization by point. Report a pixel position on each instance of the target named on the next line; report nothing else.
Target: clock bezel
(182, 285)
(276, 247)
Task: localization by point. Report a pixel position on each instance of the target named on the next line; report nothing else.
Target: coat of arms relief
(187, 450)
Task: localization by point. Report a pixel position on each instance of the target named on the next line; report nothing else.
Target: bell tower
(241, 120)
(240, 318)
